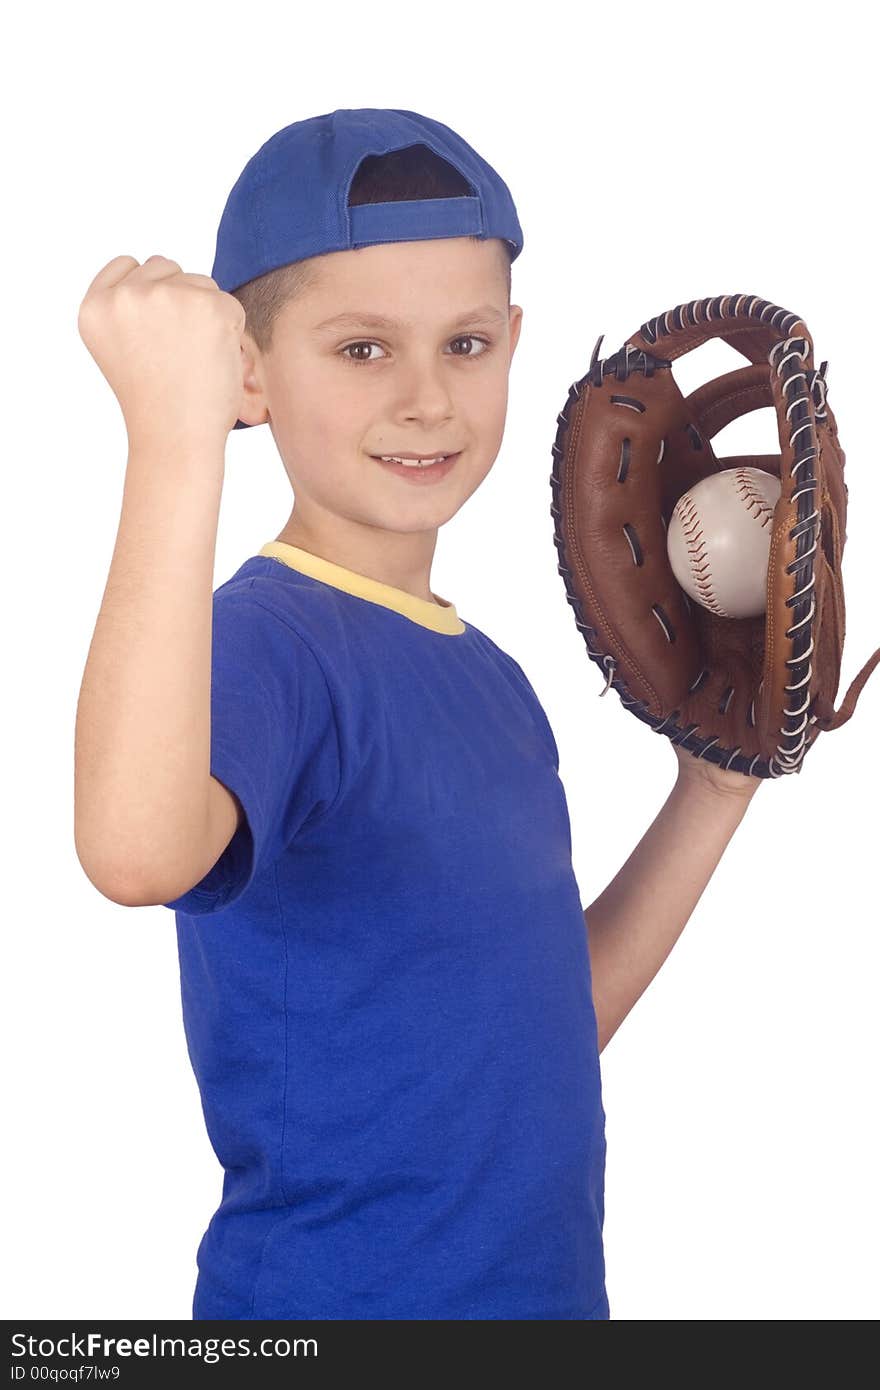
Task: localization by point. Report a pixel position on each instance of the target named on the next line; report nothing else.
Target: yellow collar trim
(439, 617)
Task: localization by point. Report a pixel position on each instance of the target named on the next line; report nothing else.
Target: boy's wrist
(201, 454)
(714, 781)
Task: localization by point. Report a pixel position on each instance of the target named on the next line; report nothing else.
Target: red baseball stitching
(699, 562)
(750, 494)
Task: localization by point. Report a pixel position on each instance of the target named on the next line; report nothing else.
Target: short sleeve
(541, 716)
(538, 711)
(273, 741)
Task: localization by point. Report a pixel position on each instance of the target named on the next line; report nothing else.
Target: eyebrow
(486, 313)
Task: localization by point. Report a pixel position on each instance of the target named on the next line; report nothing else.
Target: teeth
(414, 463)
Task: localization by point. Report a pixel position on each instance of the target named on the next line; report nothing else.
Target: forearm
(634, 923)
(142, 756)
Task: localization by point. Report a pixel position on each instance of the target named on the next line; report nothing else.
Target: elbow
(117, 885)
(120, 892)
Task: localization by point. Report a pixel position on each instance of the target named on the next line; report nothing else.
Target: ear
(252, 409)
(516, 314)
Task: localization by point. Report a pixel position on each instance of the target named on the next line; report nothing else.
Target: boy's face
(433, 383)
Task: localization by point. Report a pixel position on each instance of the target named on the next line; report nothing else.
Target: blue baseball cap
(290, 201)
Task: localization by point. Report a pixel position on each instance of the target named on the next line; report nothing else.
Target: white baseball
(718, 540)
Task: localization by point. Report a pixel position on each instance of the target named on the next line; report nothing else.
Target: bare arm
(634, 923)
(149, 819)
(142, 757)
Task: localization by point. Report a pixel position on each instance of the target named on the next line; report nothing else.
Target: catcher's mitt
(751, 694)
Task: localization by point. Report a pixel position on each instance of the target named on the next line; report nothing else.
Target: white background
(656, 154)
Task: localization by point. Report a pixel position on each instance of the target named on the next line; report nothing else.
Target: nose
(424, 392)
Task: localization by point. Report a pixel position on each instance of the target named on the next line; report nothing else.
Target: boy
(348, 795)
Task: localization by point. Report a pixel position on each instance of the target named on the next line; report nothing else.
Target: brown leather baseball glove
(751, 694)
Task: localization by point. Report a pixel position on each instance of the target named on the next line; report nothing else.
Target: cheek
(317, 414)
(487, 388)
(302, 385)
(338, 409)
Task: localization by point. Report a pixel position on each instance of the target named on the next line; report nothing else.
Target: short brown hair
(403, 175)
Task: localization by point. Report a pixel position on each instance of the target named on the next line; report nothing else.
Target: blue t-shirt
(385, 977)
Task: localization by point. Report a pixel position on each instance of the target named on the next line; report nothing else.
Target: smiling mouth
(416, 461)
(416, 471)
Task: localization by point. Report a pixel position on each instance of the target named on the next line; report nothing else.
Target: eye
(461, 338)
(471, 338)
